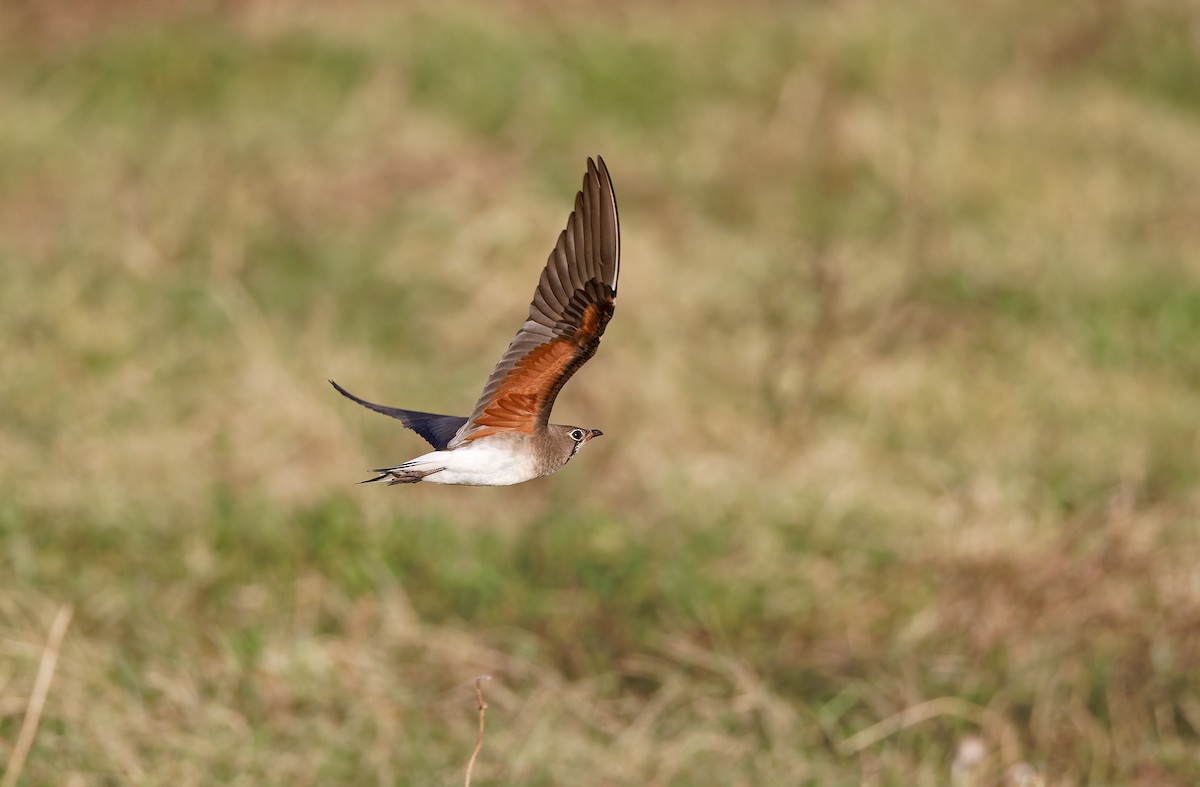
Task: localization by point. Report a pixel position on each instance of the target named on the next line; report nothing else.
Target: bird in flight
(508, 438)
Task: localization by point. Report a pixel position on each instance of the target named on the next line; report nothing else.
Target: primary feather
(437, 430)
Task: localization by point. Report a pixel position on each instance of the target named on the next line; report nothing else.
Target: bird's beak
(595, 433)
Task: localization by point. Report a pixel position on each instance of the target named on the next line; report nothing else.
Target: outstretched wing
(438, 430)
(572, 304)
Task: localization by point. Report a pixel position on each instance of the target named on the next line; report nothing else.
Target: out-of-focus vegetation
(902, 396)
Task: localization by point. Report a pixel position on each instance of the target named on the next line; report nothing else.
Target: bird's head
(571, 438)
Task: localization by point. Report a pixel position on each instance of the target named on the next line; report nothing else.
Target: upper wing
(571, 306)
(436, 429)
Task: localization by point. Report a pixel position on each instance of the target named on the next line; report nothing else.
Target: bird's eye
(576, 434)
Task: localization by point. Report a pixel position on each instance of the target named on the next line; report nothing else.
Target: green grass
(900, 399)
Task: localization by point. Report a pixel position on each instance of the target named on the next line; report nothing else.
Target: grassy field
(901, 476)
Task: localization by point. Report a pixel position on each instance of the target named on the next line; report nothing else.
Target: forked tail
(401, 475)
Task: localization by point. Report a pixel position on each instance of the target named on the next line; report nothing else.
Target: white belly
(490, 464)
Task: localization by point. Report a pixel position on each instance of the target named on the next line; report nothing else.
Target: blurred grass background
(901, 398)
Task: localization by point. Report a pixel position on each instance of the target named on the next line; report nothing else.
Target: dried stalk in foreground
(37, 698)
(482, 706)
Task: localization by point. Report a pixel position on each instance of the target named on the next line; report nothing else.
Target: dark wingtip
(353, 398)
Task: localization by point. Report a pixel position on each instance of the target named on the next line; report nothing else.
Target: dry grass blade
(942, 706)
(37, 698)
(482, 706)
